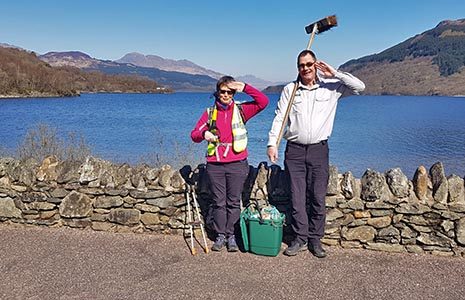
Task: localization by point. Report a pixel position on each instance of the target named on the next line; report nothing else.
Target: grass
(43, 140)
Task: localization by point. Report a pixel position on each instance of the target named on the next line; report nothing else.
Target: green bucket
(261, 236)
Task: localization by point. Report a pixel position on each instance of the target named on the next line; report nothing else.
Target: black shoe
(317, 250)
(295, 248)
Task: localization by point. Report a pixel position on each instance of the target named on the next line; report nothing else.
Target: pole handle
(286, 114)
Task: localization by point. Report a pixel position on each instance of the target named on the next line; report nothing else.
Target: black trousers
(227, 182)
(308, 167)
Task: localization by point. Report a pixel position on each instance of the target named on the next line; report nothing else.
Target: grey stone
(380, 212)
(32, 197)
(380, 222)
(456, 189)
(356, 204)
(439, 181)
(169, 211)
(389, 234)
(102, 226)
(152, 194)
(108, 202)
(164, 177)
(373, 185)
(59, 193)
(348, 185)
(124, 216)
(361, 233)
(161, 202)
(41, 206)
(408, 233)
(8, 208)
(434, 239)
(150, 219)
(457, 207)
(333, 214)
(333, 181)
(414, 249)
(67, 171)
(409, 209)
(460, 231)
(177, 182)
(398, 183)
(78, 223)
(147, 208)
(75, 205)
(385, 247)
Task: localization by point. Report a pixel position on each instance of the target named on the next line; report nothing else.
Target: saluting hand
(236, 86)
(325, 69)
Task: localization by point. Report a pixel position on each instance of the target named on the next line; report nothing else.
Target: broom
(312, 29)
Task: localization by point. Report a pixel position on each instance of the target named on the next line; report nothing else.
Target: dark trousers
(308, 167)
(227, 182)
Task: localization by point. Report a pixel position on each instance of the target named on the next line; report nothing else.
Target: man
(306, 156)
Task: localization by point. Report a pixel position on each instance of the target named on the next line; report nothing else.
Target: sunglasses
(229, 92)
(308, 65)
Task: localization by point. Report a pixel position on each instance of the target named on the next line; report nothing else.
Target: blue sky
(232, 37)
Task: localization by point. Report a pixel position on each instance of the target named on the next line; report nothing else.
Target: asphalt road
(64, 263)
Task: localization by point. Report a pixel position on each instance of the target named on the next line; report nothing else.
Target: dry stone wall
(380, 211)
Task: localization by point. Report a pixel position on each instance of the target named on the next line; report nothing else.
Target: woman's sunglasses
(229, 92)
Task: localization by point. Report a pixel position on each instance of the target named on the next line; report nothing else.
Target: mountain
(23, 74)
(154, 61)
(178, 81)
(430, 63)
(5, 45)
(255, 81)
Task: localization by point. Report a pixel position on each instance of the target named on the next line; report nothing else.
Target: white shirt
(313, 111)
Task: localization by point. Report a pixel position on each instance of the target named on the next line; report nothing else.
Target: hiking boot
(317, 250)
(219, 243)
(295, 247)
(232, 245)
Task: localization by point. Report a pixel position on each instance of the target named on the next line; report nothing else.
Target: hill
(430, 63)
(158, 62)
(22, 74)
(178, 81)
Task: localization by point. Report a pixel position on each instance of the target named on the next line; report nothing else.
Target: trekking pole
(314, 28)
(196, 206)
(189, 220)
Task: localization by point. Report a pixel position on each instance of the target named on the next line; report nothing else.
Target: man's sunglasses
(308, 65)
(229, 92)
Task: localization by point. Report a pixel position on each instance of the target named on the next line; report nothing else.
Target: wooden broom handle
(286, 115)
(291, 101)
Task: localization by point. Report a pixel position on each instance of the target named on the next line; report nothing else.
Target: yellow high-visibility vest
(239, 131)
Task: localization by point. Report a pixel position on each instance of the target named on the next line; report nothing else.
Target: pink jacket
(223, 123)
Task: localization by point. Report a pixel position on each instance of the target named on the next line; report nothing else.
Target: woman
(223, 127)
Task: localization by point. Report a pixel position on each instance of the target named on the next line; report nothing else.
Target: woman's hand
(210, 137)
(236, 86)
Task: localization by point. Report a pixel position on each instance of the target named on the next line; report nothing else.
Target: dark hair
(304, 53)
(224, 80)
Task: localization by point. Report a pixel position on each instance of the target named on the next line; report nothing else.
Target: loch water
(377, 132)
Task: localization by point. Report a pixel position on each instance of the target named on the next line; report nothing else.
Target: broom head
(322, 25)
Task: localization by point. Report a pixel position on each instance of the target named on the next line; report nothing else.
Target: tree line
(23, 74)
(446, 43)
